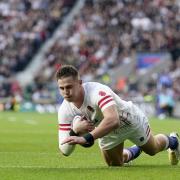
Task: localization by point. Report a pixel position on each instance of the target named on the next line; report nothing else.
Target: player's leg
(159, 143)
(114, 156)
(131, 153)
(174, 154)
(150, 144)
(155, 144)
(162, 142)
(117, 156)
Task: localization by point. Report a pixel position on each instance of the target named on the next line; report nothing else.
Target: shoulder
(64, 107)
(97, 92)
(95, 86)
(64, 113)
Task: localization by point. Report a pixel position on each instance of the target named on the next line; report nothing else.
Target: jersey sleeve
(65, 124)
(104, 97)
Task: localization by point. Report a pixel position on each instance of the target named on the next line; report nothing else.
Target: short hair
(67, 71)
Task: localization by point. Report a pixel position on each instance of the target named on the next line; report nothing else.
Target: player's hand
(83, 126)
(74, 140)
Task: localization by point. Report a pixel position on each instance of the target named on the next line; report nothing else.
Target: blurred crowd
(24, 26)
(103, 35)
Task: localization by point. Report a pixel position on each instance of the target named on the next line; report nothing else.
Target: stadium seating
(24, 26)
(102, 36)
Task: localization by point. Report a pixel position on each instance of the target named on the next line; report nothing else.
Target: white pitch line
(30, 121)
(12, 119)
(21, 152)
(46, 167)
(40, 167)
(29, 167)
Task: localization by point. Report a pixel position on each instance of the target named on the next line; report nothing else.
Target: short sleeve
(104, 97)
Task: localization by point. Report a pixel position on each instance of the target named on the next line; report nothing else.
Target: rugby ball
(76, 121)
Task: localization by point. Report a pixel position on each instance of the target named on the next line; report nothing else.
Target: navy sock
(135, 152)
(173, 142)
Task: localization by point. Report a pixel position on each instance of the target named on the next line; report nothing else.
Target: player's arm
(78, 126)
(108, 123)
(64, 132)
(107, 104)
(65, 124)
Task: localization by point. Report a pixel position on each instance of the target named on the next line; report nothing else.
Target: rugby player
(114, 119)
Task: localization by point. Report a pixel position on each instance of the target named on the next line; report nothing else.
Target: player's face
(69, 88)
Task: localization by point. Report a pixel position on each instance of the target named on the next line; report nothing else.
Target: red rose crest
(102, 93)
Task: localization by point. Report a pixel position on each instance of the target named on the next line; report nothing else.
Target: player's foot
(174, 154)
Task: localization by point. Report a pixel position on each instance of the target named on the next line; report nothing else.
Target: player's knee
(115, 163)
(152, 152)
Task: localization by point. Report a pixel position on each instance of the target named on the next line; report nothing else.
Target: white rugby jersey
(96, 99)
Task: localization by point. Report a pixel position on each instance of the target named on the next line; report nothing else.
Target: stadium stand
(24, 26)
(105, 35)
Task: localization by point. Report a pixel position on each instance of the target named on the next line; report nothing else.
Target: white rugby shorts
(138, 132)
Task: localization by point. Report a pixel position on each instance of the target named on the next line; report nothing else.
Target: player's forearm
(105, 127)
(66, 149)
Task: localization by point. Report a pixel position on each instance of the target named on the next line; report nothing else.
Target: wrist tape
(89, 140)
(72, 133)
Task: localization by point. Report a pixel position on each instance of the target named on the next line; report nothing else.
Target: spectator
(165, 102)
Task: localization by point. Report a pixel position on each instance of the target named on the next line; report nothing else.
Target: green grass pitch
(29, 150)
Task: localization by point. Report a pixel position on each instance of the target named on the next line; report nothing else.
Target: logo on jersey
(102, 93)
(90, 108)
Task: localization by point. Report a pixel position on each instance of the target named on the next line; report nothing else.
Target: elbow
(64, 154)
(66, 149)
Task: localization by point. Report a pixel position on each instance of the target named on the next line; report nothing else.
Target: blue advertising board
(146, 60)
